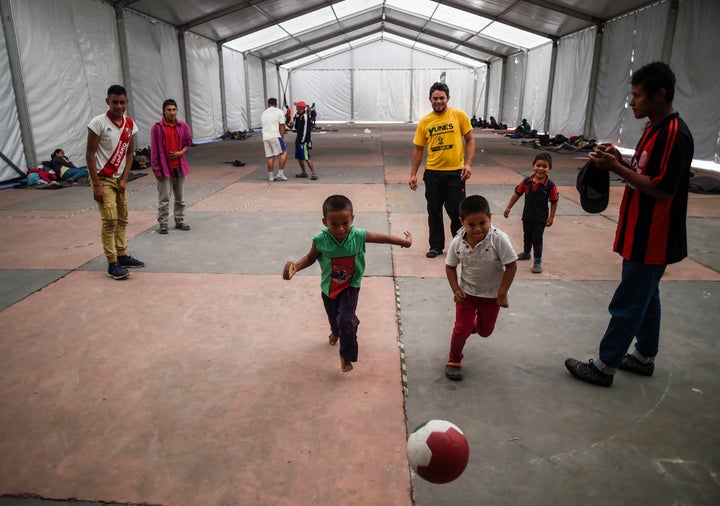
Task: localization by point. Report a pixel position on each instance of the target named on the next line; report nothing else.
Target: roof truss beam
(479, 12)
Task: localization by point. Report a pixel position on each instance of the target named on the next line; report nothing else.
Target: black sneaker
(117, 271)
(433, 253)
(182, 226)
(163, 229)
(523, 256)
(630, 363)
(129, 261)
(453, 371)
(586, 371)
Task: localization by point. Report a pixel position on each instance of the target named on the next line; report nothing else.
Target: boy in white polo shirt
(488, 268)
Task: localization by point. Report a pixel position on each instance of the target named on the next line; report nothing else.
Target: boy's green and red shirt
(341, 264)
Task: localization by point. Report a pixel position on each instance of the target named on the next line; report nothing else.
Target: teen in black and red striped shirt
(651, 231)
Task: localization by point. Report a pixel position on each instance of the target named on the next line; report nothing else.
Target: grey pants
(171, 186)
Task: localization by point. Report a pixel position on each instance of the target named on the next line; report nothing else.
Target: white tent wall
(694, 60)
(494, 87)
(256, 102)
(572, 83)
(271, 83)
(155, 72)
(537, 79)
(203, 69)
(381, 76)
(628, 43)
(283, 94)
(235, 102)
(478, 109)
(69, 55)
(513, 86)
(10, 140)
(381, 95)
(329, 89)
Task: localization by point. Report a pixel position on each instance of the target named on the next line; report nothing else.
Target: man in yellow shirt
(448, 164)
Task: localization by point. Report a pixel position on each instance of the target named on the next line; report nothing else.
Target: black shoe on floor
(433, 253)
(117, 271)
(630, 363)
(182, 226)
(453, 371)
(523, 256)
(163, 228)
(129, 261)
(586, 371)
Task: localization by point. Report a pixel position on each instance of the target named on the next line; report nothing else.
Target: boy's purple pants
(343, 320)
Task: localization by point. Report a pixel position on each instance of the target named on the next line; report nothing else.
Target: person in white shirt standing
(273, 133)
(109, 156)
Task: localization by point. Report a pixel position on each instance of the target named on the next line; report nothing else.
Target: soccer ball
(438, 451)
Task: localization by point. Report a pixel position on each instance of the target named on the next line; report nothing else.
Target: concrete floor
(205, 378)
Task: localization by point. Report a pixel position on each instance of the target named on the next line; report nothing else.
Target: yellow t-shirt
(443, 135)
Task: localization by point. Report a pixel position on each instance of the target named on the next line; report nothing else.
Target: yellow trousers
(114, 216)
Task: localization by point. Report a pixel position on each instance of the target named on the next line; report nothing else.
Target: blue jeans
(634, 313)
(343, 320)
(75, 173)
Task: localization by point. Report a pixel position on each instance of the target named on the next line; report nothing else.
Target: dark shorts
(301, 151)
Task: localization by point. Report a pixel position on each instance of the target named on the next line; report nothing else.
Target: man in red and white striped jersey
(651, 231)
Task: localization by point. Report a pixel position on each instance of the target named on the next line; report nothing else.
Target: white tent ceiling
(290, 32)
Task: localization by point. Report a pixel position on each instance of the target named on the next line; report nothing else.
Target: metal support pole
(223, 105)
(551, 83)
(487, 91)
(352, 87)
(587, 130)
(21, 102)
(670, 30)
(521, 100)
(246, 66)
(474, 99)
(502, 89)
(124, 59)
(184, 77)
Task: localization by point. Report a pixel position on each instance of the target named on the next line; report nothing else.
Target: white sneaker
(281, 177)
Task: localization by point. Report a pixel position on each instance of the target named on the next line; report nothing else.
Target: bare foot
(332, 338)
(345, 365)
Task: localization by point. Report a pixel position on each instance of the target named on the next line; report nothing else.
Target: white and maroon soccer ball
(438, 451)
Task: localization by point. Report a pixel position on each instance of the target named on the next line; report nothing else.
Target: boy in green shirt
(340, 250)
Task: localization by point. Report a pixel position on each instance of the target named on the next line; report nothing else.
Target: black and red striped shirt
(652, 231)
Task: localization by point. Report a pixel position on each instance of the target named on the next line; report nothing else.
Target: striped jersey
(651, 231)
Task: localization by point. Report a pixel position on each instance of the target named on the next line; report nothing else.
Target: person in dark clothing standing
(538, 190)
(303, 143)
(651, 231)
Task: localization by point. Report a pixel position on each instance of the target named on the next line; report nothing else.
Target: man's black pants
(443, 188)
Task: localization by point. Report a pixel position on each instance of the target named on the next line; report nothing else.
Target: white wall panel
(10, 139)
(572, 81)
(329, 89)
(155, 73)
(204, 82)
(514, 79)
(235, 103)
(494, 87)
(537, 80)
(74, 42)
(628, 43)
(381, 95)
(257, 93)
(695, 63)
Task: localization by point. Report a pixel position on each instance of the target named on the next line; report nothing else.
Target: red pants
(480, 312)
